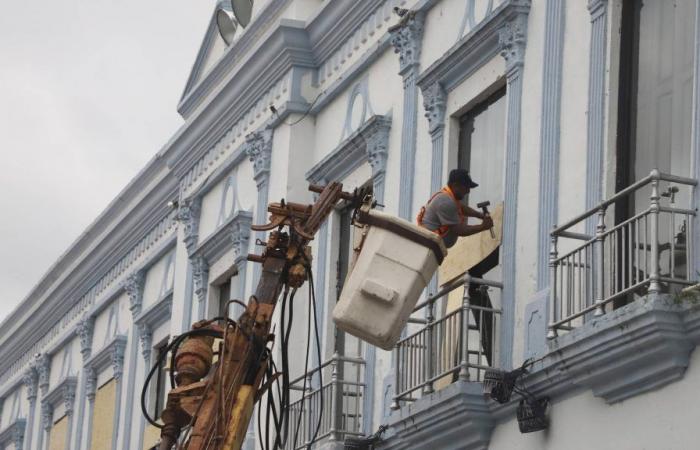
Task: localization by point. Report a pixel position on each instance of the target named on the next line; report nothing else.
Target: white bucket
(395, 264)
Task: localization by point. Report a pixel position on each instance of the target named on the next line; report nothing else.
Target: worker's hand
(487, 223)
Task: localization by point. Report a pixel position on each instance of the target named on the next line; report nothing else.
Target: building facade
(580, 121)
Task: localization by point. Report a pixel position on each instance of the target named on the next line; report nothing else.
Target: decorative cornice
(258, 147)
(370, 140)
(200, 277)
(155, 315)
(39, 332)
(63, 392)
(14, 434)
(84, 330)
(512, 38)
(133, 285)
(30, 379)
(473, 50)
(188, 216)
(407, 39)
(435, 104)
(111, 355)
(234, 232)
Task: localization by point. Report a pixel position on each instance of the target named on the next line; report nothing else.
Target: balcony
(459, 346)
(648, 253)
(336, 407)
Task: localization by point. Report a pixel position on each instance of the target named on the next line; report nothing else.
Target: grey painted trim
(221, 172)
(407, 39)
(198, 88)
(473, 50)
(696, 136)
(361, 91)
(458, 413)
(64, 391)
(596, 105)
(368, 143)
(188, 215)
(14, 434)
(550, 133)
(200, 283)
(30, 380)
(258, 148)
(235, 231)
(512, 38)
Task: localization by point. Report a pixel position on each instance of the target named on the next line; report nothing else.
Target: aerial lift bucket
(395, 263)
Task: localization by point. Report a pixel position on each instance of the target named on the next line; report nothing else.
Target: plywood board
(469, 251)
(57, 436)
(103, 416)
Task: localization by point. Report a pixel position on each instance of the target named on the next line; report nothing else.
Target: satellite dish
(226, 23)
(243, 10)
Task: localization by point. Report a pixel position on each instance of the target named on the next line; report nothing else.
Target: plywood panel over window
(57, 436)
(103, 416)
(150, 437)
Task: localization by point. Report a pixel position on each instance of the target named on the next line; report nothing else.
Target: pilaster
(512, 39)
(258, 148)
(407, 39)
(200, 278)
(549, 134)
(188, 216)
(30, 379)
(133, 285)
(596, 105)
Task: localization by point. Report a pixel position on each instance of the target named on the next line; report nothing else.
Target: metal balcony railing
(460, 345)
(650, 252)
(338, 402)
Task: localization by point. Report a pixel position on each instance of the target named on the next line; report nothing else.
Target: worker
(445, 214)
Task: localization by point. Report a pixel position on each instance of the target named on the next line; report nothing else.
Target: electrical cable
(318, 350)
(306, 113)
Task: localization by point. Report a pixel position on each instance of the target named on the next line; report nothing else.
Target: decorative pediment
(212, 48)
(111, 355)
(149, 319)
(13, 434)
(368, 144)
(64, 392)
(234, 232)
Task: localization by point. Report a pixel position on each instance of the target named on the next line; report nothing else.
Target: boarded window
(57, 437)
(103, 416)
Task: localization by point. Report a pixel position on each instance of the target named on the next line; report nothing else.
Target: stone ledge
(456, 417)
(640, 347)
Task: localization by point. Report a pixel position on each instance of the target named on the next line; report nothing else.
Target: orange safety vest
(444, 229)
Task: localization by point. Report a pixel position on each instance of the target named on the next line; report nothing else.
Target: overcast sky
(88, 94)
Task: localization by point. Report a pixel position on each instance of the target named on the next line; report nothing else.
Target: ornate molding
(146, 341)
(239, 233)
(407, 37)
(370, 140)
(435, 104)
(112, 355)
(90, 383)
(188, 216)
(63, 392)
(30, 379)
(512, 38)
(258, 147)
(84, 330)
(133, 285)
(200, 277)
(42, 364)
(14, 434)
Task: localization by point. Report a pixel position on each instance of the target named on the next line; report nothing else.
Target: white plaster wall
(182, 282)
(104, 329)
(211, 207)
(665, 419)
(574, 118)
(158, 280)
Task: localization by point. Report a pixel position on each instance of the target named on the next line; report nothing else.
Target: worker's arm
(463, 229)
(471, 212)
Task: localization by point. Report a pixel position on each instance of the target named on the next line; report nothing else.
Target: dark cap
(461, 176)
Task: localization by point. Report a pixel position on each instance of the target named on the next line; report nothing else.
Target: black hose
(161, 358)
